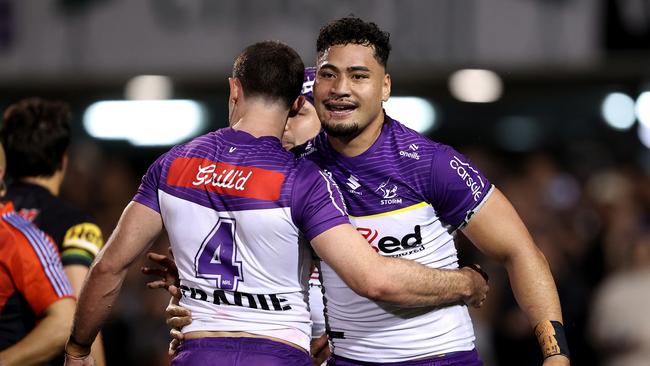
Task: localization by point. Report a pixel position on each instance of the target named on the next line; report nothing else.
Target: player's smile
(339, 109)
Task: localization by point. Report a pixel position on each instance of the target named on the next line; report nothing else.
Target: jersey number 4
(216, 258)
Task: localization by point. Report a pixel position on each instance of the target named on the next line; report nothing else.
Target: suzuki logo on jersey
(353, 183)
(222, 178)
(465, 172)
(391, 244)
(388, 192)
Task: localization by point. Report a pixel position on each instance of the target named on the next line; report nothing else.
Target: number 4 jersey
(234, 206)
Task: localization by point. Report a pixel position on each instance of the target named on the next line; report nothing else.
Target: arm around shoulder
(393, 280)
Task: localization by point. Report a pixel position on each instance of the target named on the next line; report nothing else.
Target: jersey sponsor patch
(86, 236)
(470, 176)
(222, 178)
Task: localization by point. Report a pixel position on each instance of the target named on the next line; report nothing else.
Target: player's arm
(136, 230)
(320, 213)
(81, 244)
(46, 340)
(497, 231)
(394, 280)
(76, 274)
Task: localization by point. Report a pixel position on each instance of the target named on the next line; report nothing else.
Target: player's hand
(479, 287)
(557, 360)
(177, 337)
(177, 316)
(71, 360)
(169, 278)
(320, 350)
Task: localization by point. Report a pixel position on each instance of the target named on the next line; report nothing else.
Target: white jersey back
(233, 206)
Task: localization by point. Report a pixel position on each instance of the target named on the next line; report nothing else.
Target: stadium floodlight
(145, 122)
(618, 111)
(149, 87)
(643, 109)
(476, 86)
(644, 135)
(414, 112)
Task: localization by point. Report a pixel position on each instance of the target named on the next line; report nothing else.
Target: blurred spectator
(619, 324)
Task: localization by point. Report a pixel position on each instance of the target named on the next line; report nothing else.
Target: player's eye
(326, 74)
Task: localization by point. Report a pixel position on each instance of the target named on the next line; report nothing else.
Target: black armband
(551, 337)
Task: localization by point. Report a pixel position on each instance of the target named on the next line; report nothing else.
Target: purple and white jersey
(233, 206)
(407, 196)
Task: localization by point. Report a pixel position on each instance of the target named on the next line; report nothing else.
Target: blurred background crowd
(549, 98)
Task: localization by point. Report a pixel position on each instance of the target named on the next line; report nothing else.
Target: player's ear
(297, 106)
(385, 88)
(235, 90)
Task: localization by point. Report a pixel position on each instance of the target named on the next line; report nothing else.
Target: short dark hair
(352, 30)
(270, 70)
(35, 134)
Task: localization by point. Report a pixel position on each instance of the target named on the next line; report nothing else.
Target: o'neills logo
(412, 155)
(464, 170)
(233, 180)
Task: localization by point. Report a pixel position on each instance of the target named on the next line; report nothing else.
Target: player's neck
(260, 119)
(51, 183)
(359, 144)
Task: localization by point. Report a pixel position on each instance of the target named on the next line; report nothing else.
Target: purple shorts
(238, 352)
(465, 358)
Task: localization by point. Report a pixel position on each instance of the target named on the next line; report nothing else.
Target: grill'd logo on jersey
(464, 170)
(233, 180)
(228, 178)
(391, 244)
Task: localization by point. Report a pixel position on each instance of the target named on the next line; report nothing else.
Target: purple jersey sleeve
(148, 191)
(457, 188)
(317, 204)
